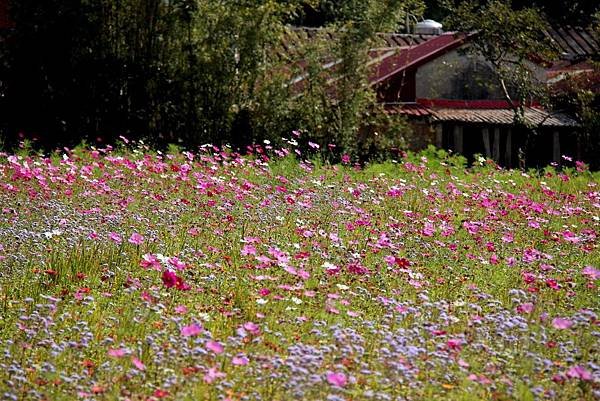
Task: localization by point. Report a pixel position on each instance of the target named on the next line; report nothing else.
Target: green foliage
(588, 110)
(575, 13)
(190, 72)
(352, 118)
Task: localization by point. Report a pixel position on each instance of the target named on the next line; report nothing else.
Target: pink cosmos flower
(508, 237)
(337, 379)
(181, 309)
(240, 360)
(252, 328)
(169, 278)
(114, 237)
(569, 236)
(213, 374)
(248, 250)
(191, 330)
(525, 308)
(591, 272)
(428, 230)
(176, 263)
(117, 352)
(454, 344)
(561, 323)
(150, 261)
(137, 363)
(579, 372)
(136, 239)
(215, 347)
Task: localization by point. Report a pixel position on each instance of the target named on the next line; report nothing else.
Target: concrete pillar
(556, 147)
(485, 133)
(497, 144)
(439, 135)
(508, 150)
(458, 139)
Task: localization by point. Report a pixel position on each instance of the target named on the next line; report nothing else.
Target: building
(451, 99)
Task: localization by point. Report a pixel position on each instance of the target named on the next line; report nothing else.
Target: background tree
(192, 71)
(578, 12)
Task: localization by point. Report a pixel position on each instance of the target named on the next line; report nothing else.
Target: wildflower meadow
(132, 274)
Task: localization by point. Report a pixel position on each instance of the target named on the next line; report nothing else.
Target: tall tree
(578, 12)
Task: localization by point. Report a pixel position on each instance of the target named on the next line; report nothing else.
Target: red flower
(169, 279)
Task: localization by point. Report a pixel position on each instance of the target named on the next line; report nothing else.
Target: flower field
(140, 275)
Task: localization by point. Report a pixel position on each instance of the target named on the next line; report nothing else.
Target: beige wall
(457, 75)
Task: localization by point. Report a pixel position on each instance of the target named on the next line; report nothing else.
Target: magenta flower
(525, 308)
(117, 352)
(137, 363)
(176, 263)
(169, 279)
(591, 272)
(252, 328)
(579, 372)
(561, 323)
(454, 344)
(337, 379)
(213, 374)
(114, 237)
(150, 261)
(136, 239)
(191, 330)
(240, 360)
(181, 309)
(215, 347)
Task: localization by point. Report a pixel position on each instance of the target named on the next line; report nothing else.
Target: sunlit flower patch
(139, 275)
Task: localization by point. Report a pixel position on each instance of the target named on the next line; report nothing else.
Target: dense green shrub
(187, 71)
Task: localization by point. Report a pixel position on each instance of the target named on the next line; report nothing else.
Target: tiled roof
(488, 112)
(408, 109)
(574, 43)
(533, 116)
(467, 104)
(383, 50)
(412, 57)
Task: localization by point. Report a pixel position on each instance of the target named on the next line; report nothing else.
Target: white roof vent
(428, 27)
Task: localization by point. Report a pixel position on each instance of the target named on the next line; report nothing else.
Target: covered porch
(492, 134)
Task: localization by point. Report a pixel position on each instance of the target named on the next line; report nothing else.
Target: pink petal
(215, 347)
(337, 379)
(191, 330)
(137, 363)
(240, 360)
(561, 323)
(117, 352)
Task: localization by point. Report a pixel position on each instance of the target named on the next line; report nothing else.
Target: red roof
(415, 56)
